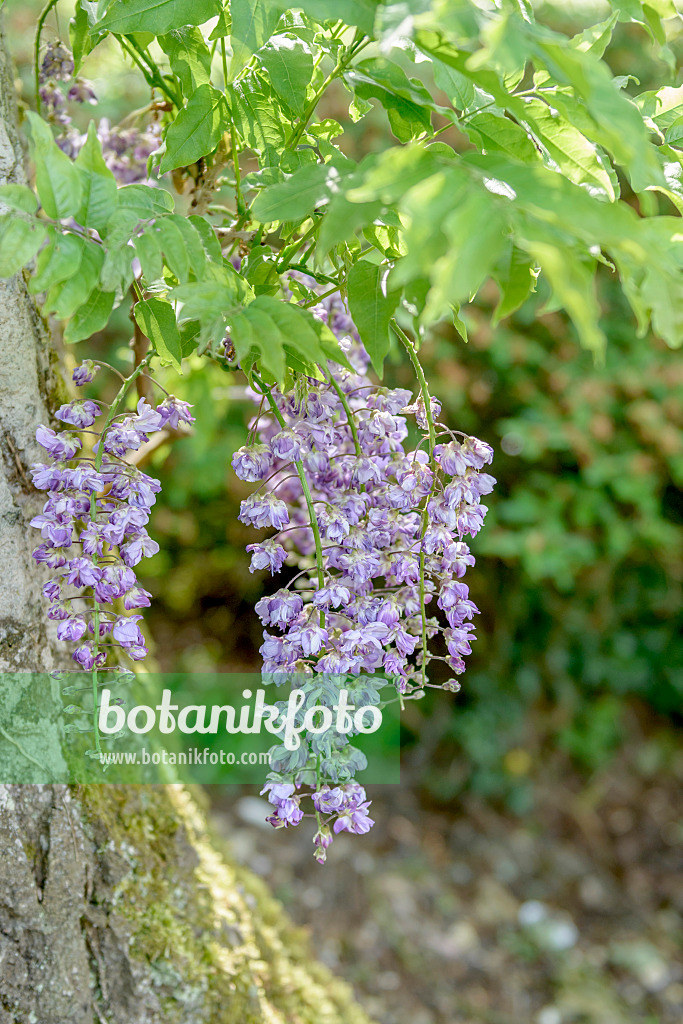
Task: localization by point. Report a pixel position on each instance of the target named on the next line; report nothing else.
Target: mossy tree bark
(114, 905)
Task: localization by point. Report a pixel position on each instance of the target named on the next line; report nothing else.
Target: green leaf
(20, 239)
(596, 39)
(372, 306)
(572, 282)
(621, 129)
(171, 241)
(117, 271)
(407, 101)
(83, 39)
(256, 336)
(212, 247)
(674, 133)
(144, 201)
(18, 197)
(193, 244)
(288, 62)
(576, 157)
(157, 16)
(99, 198)
(212, 301)
(196, 130)
(260, 271)
(495, 133)
(459, 89)
(148, 252)
(257, 115)
(297, 196)
(475, 229)
(189, 57)
(663, 106)
(157, 320)
(57, 180)
(222, 27)
(516, 278)
(64, 297)
(253, 23)
(58, 261)
(360, 13)
(91, 317)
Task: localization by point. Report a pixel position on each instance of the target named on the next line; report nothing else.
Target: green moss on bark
(207, 934)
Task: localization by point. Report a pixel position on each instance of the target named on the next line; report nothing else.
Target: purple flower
(332, 596)
(451, 458)
(138, 548)
(86, 657)
(137, 597)
(174, 411)
(147, 419)
(322, 840)
(333, 525)
(311, 638)
(127, 631)
(252, 462)
(124, 522)
(82, 92)
(286, 802)
(47, 478)
(52, 590)
(53, 558)
(326, 799)
(354, 819)
(268, 555)
(121, 439)
(60, 446)
(286, 446)
(383, 543)
(71, 629)
(81, 572)
(264, 511)
(84, 478)
(79, 414)
(451, 593)
(280, 609)
(57, 63)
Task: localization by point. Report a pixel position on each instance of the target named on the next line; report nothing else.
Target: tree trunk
(114, 905)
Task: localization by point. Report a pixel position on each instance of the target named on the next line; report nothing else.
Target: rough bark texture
(114, 905)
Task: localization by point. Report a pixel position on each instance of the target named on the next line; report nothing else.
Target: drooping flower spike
(93, 524)
(380, 546)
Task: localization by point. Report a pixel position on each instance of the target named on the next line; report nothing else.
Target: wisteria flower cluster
(338, 809)
(126, 151)
(93, 524)
(377, 528)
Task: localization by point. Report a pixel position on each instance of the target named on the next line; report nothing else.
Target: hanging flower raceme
(378, 529)
(93, 524)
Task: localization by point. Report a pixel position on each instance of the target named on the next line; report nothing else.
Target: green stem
(323, 278)
(347, 410)
(319, 298)
(424, 522)
(356, 45)
(290, 251)
(301, 473)
(224, 59)
(36, 51)
(149, 70)
(424, 389)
